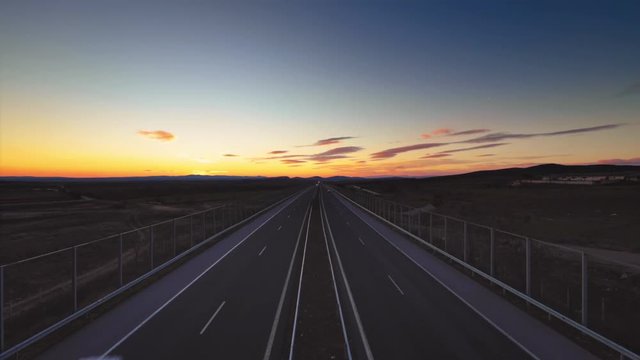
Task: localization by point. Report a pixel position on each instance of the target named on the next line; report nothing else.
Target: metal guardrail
(409, 221)
(158, 248)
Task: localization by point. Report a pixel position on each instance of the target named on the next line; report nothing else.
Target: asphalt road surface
(229, 312)
(405, 314)
(310, 279)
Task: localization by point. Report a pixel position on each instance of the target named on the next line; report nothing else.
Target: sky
(304, 88)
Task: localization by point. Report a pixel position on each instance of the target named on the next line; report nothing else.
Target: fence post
(527, 255)
(464, 242)
(395, 213)
(445, 234)
(1, 308)
(383, 203)
(151, 246)
(430, 228)
(491, 251)
(190, 231)
(412, 222)
(224, 209)
(175, 241)
(387, 210)
(74, 279)
(213, 221)
(585, 279)
(420, 224)
(204, 226)
(120, 262)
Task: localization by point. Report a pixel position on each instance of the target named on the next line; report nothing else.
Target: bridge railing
(595, 295)
(40, 294)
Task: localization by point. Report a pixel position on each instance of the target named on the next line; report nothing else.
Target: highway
(406, 314)
(229, 312)
(313, 278)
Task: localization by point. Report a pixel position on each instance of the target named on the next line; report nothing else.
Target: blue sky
(256, 76)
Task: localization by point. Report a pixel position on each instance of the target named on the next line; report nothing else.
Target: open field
(599, 290)
(41, 291)
(601, 216)
(39, 217)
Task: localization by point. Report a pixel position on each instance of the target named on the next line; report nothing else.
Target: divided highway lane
(404, 313)
(229, 312)
(318, 331)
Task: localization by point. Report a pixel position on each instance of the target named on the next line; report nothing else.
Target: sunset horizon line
(634, 162)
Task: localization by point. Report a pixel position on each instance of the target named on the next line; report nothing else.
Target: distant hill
(515, 173)
(166, 178)
(554, 169)
(131, 178)
(503, 177)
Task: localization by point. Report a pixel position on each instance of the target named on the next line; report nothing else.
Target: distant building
(579, 180)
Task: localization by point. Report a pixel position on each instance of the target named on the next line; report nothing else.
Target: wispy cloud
(291, 156)
(334, 154)
(277, 152)
(451, 132)
(389, 153)
(489, 138)
(534, 157)
(325, 156)
(486, 155)
(160, 135)
(486, 146)
(631, 161)
(499, 136)
(330, 141)
(340, 150)
(229, 155)
(633, 89)
(292, 161)
(469, 132)
(435, 156)
(436, 132)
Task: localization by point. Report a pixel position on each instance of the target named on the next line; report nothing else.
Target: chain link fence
(41, 291)
(597, 293)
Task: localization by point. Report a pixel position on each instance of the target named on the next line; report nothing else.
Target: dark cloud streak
(469, 132)
(486, 146)
(330, 141)
(499, 136)
(389, 153)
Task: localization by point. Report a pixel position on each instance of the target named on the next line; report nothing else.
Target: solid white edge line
(276, 320)
(503, 332)
(335, 285)
(363, 336)
(212, 317)
(395, 284)
(194, 280)
(295, 316)
(263, 249)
